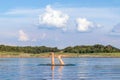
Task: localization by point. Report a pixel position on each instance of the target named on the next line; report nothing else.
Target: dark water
(84, 69)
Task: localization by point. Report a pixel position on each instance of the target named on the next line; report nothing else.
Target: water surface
(84, 69)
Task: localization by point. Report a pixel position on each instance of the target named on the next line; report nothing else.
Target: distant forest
(76, 49)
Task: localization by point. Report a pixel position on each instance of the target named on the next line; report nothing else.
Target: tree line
(76, 49)
(92, 49)
(28, 49)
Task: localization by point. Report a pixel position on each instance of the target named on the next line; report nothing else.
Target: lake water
(84, 69)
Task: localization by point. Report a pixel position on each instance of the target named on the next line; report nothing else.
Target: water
(84, 69)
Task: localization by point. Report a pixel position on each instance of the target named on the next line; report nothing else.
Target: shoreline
(65, 55)
(56, 57)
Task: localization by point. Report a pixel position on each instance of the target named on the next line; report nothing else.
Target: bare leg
(52, 59)
(60, 60)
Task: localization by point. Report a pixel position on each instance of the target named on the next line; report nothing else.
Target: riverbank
(45, 55)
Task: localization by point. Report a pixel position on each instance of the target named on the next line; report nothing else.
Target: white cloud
(23, 36)
(84, 25)
(53, 18)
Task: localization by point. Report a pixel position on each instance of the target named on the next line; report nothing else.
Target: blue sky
(59, 23)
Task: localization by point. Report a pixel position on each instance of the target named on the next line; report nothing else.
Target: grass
(27, 55)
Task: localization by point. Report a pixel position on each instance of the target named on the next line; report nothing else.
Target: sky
(59, 23)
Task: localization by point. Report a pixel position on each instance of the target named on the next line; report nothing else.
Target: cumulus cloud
(54, 18)
(23, 36)
(84, 25)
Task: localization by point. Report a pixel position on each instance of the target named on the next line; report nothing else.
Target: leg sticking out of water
(52, 59)
(60, 60)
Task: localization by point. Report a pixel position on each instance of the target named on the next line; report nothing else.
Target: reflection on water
(59, 72)
(85, 69)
